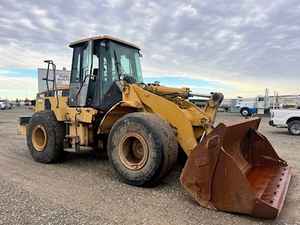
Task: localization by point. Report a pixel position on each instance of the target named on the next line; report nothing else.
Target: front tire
(142, 148)
(245, 112)
(294, 127)
(45, 137)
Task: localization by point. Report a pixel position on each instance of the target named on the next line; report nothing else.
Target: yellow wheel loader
(144, 126)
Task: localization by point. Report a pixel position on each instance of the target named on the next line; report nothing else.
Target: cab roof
(103, 37)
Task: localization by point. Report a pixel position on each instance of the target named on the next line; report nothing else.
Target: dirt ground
(83, 189)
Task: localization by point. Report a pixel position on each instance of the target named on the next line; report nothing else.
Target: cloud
(253, 44)
(27, 24)
(186, 10)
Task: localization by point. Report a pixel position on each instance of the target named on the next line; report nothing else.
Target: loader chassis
(144, 126)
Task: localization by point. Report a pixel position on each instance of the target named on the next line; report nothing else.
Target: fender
(117, 111)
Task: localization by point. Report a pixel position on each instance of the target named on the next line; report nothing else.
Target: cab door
(80, 74)
(110, 92)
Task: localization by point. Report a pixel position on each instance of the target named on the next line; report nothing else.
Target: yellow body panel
(158, 89)
(39, 105)
(83, 132)
(79, 118)
(180, 119)
(116, 112)
(63, 112)
(21, 130)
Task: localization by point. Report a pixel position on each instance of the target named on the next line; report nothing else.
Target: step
(79, 149)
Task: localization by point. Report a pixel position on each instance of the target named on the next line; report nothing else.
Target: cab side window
(125, 65)
(80, 63)
(75, 74)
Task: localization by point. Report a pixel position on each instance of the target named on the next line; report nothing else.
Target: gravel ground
(83, 189)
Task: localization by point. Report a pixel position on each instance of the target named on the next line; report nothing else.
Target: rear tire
(45, 138)
(142, 148)
(294, 127)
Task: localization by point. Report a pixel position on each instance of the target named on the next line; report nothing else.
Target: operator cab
(98, 64)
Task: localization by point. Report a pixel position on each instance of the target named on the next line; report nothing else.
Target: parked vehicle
(4, 104)
(286, 118)
(258, 105)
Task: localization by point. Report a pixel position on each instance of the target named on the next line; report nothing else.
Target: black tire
(294, 127)
(44, 124)
(157, 137)
(245, 112)
(182, 157)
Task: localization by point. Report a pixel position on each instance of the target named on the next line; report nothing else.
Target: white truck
(250, 106)
(286, 118)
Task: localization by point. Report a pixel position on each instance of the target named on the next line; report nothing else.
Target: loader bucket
(236, 169)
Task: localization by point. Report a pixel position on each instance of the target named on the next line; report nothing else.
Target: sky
(236, 47)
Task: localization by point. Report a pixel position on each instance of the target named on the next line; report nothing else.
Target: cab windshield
(126, 62)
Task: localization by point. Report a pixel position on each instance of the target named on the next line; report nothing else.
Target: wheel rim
(244, 112)
(295, 128)
(133, 151)
(39, 138)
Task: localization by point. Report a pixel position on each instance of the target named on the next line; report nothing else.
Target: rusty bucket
(236, 169)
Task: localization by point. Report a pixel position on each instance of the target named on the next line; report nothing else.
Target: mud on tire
(45, 137)
(146, 133)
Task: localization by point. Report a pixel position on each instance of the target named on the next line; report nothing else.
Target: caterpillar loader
(144, 126)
